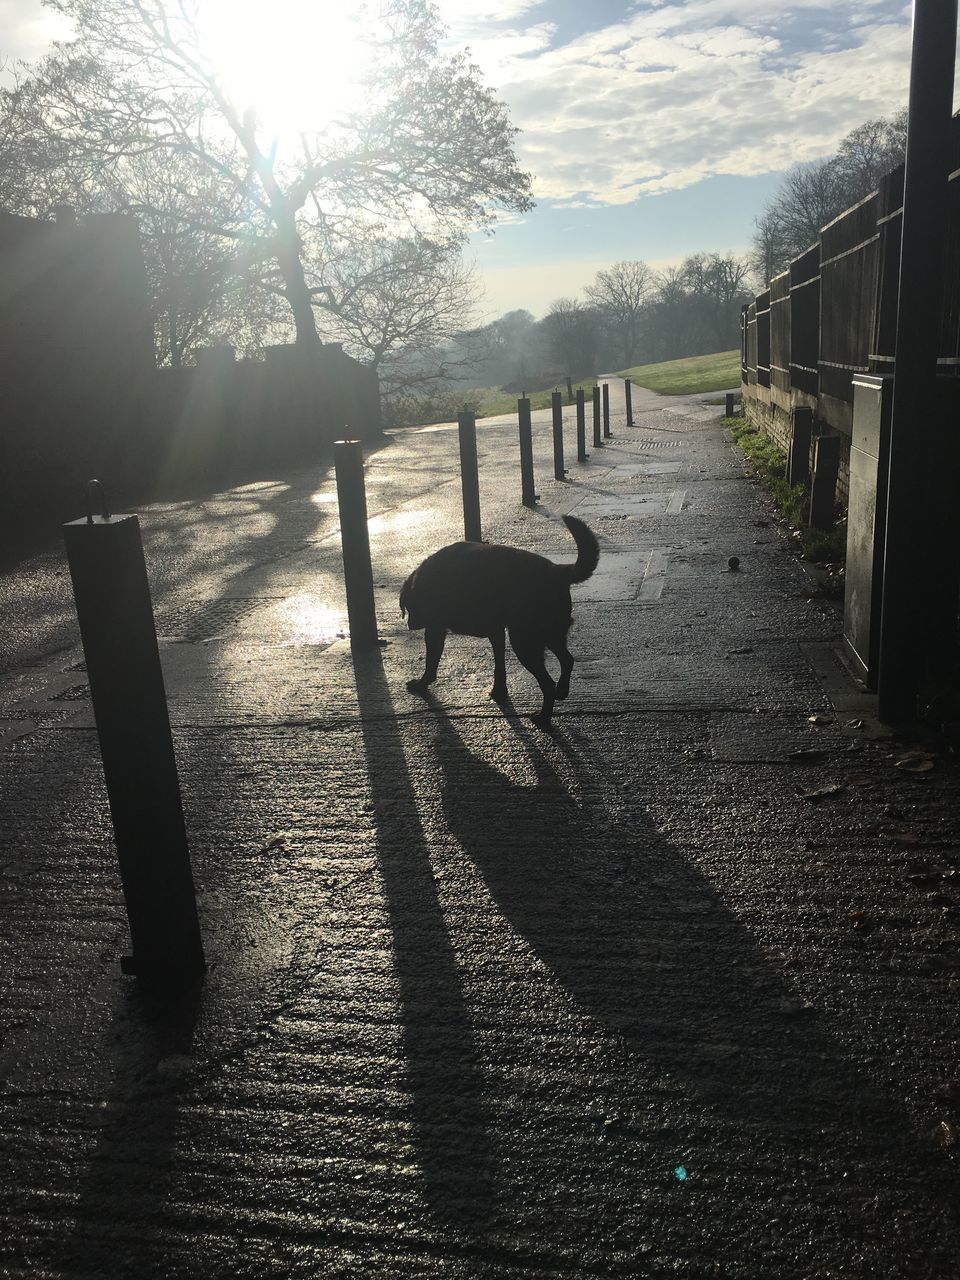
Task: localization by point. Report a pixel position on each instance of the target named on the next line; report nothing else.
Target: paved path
(483, 1002)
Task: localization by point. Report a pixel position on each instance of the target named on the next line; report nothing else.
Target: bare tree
(572, 331)
(397, 303)
(812, 195)
(431, 145)
(621, 294)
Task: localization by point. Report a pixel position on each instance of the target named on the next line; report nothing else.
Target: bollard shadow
(437, 1033)
(132, 1172)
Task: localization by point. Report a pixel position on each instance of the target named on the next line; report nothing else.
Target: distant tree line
(629, 315)
(813, 194)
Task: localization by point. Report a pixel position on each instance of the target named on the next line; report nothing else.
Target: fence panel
(780, 331)
(763, 338)
(849, 283)
(805, 321)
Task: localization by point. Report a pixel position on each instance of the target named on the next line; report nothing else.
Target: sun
(297, 64)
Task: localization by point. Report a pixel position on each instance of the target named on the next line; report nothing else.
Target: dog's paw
(542, 722)
(499, 693)
(418, 686)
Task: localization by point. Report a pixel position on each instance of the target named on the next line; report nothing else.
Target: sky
(652, 129)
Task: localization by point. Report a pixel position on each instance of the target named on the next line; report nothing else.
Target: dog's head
(408, 604)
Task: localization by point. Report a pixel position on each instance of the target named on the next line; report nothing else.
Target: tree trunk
(297, 293)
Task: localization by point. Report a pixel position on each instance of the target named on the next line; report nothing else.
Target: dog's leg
(565, 658)
(499, 642)
(530, 653)
(434, 638)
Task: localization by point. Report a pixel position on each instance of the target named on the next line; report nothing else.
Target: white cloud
(28, 29)
(674, 94)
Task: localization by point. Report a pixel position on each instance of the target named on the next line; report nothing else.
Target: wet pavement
(628, 999)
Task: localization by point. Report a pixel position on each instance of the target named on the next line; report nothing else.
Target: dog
(485, 589)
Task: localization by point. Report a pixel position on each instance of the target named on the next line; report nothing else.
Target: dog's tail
(588, 552)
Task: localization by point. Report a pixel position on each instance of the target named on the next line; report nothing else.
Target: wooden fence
(832, 315)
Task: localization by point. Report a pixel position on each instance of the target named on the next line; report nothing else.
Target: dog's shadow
(636, 934)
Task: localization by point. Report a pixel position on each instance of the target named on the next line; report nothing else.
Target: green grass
(819, 546)
(493, 401)
(717, 372)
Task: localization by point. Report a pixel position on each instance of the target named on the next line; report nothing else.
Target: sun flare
(296, 64)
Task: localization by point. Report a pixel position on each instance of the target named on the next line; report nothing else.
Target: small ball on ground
(734, 563)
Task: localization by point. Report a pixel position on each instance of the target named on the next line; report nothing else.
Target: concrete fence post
(529, 495)
(597, 442)
(628, 395)
(469, 476)
(581, 427)
(355, 540)
(557, 404)
(607, 434)
(798, 455)
(823, 485)
(728, 404)
(114, 610)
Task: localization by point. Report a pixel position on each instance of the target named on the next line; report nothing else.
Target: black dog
(483, 589)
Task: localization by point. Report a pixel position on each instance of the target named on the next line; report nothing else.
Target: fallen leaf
(818, 793)
(915, 762)
(900, 835)
(854, 724)
(820, 718)
(946, 1134)
(926, 870)
(745, 650)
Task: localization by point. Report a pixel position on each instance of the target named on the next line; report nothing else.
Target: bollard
(112, 595)
(529, 496)
(355, 540)
(581, 428)
(557, 403)
(728, 405)
(606, 411)
(597, 442)
(628, 393)
(469, 476)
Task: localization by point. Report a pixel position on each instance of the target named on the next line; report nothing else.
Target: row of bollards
(118, 632)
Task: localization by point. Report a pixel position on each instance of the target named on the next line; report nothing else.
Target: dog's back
(473, 587)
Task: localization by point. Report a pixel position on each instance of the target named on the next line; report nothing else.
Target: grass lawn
(493, 401)
(717, 372)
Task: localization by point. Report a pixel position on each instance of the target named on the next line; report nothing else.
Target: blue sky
(660, 128)
(653, 129)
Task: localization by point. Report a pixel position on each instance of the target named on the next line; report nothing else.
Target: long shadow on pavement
(446, 1087)
(641, 941)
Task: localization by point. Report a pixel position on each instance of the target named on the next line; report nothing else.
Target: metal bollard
(556, 401)
(628, 393)
(597, 442)
(529, 495)
(115, 614)
(581, 428)
(469, 476)
(355, 539)
(606, 411)
(728, 405)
